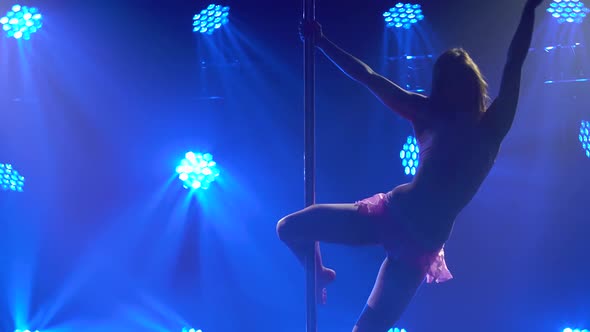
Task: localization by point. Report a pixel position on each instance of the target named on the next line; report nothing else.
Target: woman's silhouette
(414, 220)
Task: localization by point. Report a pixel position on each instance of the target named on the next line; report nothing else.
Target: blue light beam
(585, 137)
(410, 156)
(403, 15)
(10, 179)
(197, 170)
(568, 11)
(210, 19)
(21, 22)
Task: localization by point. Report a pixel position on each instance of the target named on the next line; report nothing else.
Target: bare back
(456, 155)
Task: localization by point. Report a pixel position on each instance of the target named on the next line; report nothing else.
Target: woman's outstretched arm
(403, 102)
(500, 115)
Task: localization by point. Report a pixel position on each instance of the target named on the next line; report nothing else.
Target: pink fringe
(437, 270)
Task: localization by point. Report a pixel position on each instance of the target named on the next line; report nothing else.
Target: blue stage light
(396, 329)
(585, 137)
(403, 15)
(568, 11)
(210, 19)
(410, 156)
(569, 329)
(26, 331)
(10, 179)
(186, 329)
(197, 170)
(21, 22)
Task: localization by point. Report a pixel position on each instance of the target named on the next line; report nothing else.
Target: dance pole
(309, 166)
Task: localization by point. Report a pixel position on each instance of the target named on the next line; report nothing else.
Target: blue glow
(210, 19)
(21, 22)
(569, 329)
(186, 329)
(395, 329)
(26, 330)
(585, 137)
(561, 46)
(10, 179)
(410, 156)
(197, 170)
(403, 15)
(568, 81)
(568, 11)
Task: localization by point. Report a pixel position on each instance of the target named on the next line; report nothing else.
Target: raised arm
(500, 116)
(403, 102)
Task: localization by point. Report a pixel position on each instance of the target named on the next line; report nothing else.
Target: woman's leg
(333, 223)
(394, 288)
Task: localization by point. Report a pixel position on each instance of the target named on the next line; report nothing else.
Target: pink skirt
(400, 241)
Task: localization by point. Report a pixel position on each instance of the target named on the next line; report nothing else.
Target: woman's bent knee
(285, 229)
(290, 228)
(281, 229)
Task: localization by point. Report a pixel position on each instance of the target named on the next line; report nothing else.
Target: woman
(414, 220)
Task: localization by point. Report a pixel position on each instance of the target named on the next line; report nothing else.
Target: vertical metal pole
(309, 167)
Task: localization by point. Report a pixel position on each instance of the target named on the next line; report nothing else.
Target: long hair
(457, 76)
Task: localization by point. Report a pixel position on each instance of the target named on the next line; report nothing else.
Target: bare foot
(324, 278)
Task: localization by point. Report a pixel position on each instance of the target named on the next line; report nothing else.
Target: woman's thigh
(333, 223)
